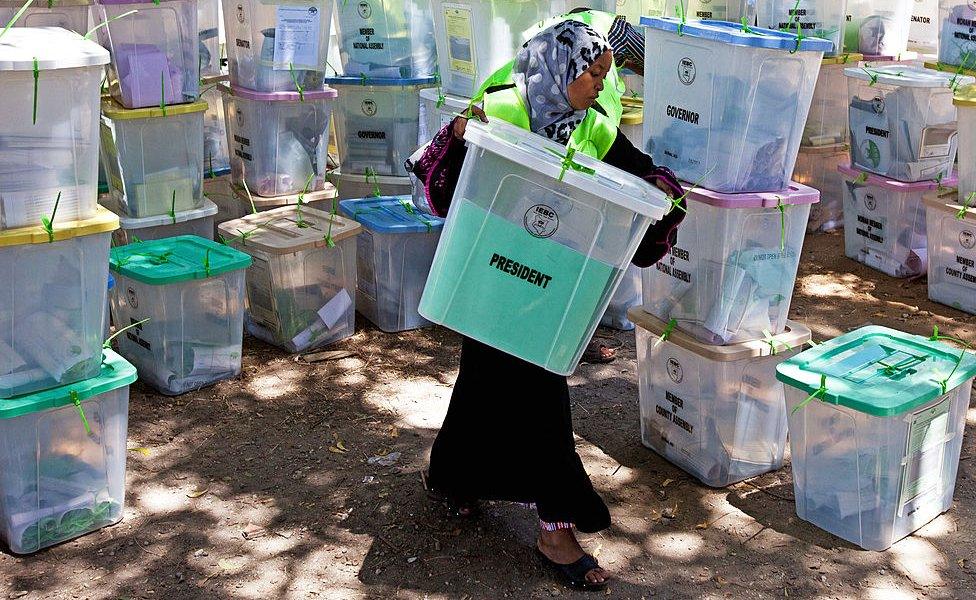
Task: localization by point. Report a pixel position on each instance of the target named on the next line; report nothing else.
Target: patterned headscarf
(544, 68)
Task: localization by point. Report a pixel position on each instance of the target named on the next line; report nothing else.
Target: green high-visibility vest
(597, 132)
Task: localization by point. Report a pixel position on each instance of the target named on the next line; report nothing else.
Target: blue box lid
(734, 34)
(389, 214)
(366, 80)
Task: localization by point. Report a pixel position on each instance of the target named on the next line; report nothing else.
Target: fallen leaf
(667, 482)
(198, 491)
(141, 450)
(720, 580)
(337, 450)
(702, 525)
(597, 550)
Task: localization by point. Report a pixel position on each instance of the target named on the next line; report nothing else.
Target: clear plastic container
(876, 450)
(433, 117)
(902, 120)
(154, 158)
(884, 222)
(477, 37)
(67, 14)
(155, 51)
(827, 122)
(923, 31)
(301, 290)
(878, 27)
(377, 123)
(715, 411)
(951, 243)
(957, 35)
(274, 44)
(964, 100)
(51, 312)
(730, 276)
(386, 38)
(191, 290)
(208, 26)
(60, 476)
(280, 140)
(824, 19)
(724, 108)
(216, 152)
(627, 296)
(528, 263)
(58, 153)
(395, 250)
(817, 167)
(198, 222)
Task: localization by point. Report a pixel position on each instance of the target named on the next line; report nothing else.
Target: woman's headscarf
(544, 68)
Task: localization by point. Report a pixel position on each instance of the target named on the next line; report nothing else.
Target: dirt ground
(267, 487)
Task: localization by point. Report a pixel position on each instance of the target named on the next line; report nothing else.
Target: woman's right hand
(461, 123)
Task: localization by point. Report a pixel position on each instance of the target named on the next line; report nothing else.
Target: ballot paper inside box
(277, 45)
(61, 477)
(184, 297)
(48, 147)
(730, 276)
(951, 242)
(884, 222)
(377, 123)
(386, 38)
(903, 121)
(155, 50)
(715, 411)
(57, 341)
(301, 285)
(876, 420)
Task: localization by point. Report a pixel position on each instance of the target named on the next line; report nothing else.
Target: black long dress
(508, 434)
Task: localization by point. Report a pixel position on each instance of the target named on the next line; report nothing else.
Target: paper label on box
(460, 41)
(925, 452)
(260, 299)
(869, 214)
(297, 37)
(215, 359)
(366, 267)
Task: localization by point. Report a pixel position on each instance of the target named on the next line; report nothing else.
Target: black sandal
(457, 509)
(574, 574)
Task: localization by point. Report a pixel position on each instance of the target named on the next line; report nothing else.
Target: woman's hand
(460, 124)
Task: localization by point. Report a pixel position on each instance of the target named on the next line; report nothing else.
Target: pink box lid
(797, 193)
(322, 93)
(905, 187)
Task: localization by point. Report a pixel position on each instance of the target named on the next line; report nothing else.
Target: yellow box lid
(104, 221)
(117, 112)
(965, 95)
(848, 58)
(949, 68)
(633, 111)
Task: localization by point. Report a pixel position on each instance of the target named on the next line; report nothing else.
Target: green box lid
(116, 372)
(176, 259)
(878, 371)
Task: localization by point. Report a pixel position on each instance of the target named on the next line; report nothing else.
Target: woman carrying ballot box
(508, 434)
